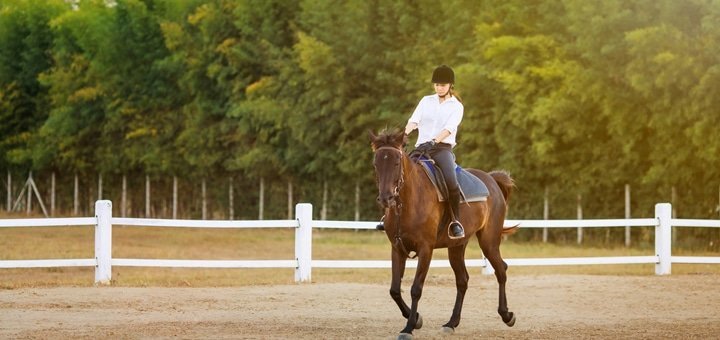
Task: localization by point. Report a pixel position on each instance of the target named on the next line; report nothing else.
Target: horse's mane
(389, 137)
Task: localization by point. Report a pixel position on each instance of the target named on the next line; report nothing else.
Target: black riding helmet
(443, 74)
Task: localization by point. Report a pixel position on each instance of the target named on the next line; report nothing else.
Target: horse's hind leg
(491, 249)
(457, 262)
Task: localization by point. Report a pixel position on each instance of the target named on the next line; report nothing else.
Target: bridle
(398, 203)
(401, 178)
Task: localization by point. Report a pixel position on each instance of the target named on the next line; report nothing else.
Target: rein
(398, 244)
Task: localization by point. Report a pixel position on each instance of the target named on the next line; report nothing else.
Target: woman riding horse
(437, 118)
(415, 220)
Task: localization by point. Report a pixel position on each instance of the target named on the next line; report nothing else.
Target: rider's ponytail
(455, 93)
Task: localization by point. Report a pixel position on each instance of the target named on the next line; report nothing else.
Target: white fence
(303, 225)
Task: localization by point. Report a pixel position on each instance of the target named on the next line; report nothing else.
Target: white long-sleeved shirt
(432, 117)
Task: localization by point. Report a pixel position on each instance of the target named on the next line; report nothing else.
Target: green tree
(25, 39)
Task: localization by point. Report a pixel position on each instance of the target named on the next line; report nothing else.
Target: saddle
(472, 189)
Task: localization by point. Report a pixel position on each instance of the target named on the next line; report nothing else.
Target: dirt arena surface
(546, 306)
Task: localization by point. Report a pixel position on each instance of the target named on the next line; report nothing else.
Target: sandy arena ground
(546, 306)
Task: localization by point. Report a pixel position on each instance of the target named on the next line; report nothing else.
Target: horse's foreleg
(492, 253)
(457, 262)
(398, 270)
(415, 321)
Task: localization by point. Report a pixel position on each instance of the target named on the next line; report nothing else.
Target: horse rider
(437, 118)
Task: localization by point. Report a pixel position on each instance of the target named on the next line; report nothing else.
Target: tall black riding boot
(455, 229)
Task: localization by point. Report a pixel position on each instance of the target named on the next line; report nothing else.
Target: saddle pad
(472, 189)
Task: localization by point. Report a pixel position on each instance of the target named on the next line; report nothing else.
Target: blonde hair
(454, 93)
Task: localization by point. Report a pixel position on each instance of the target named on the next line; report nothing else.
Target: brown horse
(415, 223)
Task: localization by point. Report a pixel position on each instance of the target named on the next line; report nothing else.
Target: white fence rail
(303, 225)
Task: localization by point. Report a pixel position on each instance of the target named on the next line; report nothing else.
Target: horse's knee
(500, 271)
(395, 293)
(500, 274)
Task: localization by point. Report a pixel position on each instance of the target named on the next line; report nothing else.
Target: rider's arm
(410, 127)
(441, 136)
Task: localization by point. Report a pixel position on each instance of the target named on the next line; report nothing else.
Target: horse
(416, 222)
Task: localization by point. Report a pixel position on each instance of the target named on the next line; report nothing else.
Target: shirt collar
(451, 99)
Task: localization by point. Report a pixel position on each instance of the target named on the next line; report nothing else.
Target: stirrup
(462, 230)
(381, 226)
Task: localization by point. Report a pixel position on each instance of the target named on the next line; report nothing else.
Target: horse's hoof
(448, 330)
(419, 322)
(405, 336)
(512, 320)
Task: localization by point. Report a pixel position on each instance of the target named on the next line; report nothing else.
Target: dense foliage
(572, 97)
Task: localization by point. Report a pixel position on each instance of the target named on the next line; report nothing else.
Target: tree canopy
(573, 97)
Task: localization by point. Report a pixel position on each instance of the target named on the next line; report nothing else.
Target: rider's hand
(425, 147)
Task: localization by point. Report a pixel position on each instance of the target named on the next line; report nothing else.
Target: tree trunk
(579, 217)
(357, 200)
(100, 187)
(76, 194)
(9, 192)
(123, 197)
(147, 196)
(261, 203)
(627, 214)
(546, 215)
(175, 198)
(204, 199)
(290, 201)
(324, 209)
(673, 200)
(52, 194)
(29, 196)
(231, 210)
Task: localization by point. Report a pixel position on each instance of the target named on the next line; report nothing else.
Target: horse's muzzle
(387, 200)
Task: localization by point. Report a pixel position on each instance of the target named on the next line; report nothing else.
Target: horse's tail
(506, 183)
(510, 230)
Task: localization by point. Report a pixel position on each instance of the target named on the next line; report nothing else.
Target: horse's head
(388, 162)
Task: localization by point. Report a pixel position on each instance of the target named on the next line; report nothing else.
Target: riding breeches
(445, 159)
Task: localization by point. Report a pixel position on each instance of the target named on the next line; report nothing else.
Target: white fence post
(303, 242)
(487, 269)
(663, 238)
(103, 242)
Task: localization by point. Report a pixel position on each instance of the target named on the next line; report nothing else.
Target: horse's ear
(404, 139)
(373, 137)
(399, 136)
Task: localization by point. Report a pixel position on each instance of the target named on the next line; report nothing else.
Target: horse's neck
(413, 183)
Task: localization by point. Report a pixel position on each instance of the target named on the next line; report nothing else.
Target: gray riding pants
(443, 156)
